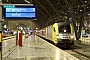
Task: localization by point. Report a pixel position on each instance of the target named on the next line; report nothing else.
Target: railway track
(83, 53)
(8, 53)
(79, 53)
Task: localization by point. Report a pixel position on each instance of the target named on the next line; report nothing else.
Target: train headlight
(64, 30)
(72, 36)
(57, 36)
(61, 37)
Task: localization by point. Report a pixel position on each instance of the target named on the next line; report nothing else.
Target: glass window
(64, 27)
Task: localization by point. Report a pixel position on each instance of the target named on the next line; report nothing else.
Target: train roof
(63, 23)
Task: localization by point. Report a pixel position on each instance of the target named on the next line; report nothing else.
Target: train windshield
(64, 28)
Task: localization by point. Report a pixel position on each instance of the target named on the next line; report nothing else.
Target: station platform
(34, 48)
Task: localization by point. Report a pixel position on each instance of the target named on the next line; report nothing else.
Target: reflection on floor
(34, 48)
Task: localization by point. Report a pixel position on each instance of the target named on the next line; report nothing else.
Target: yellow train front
(62, 34)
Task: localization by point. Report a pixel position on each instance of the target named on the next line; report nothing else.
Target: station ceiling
(50, 11)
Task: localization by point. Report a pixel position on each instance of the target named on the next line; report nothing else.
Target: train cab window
(54, 29)
(64, 27)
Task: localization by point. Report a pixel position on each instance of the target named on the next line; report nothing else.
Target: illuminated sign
(20, 12)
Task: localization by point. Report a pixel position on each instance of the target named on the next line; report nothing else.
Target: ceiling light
(78, 5)
(68, 11)
(85, 1)
(80, 10)
(57, 3)
(7, 0)
(88, 14)
(75, 12)
(27, 1)
(87, 7)
(65, 13)
(62, 12)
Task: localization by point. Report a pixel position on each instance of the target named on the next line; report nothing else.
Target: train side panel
(46, 32)
(49, 32)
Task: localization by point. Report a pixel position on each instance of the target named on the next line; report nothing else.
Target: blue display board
(20, 12)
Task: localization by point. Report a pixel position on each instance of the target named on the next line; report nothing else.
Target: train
(61, 33)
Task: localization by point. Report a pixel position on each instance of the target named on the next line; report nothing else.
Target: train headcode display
(20, 12)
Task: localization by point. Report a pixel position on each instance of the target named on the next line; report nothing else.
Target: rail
(6, 38)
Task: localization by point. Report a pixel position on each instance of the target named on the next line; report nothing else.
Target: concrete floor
(34, 48)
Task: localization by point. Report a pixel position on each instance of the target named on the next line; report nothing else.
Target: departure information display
(20, 12)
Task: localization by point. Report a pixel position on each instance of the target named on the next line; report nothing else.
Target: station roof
(50, 11)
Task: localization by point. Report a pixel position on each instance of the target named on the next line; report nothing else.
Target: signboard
(19, 12)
